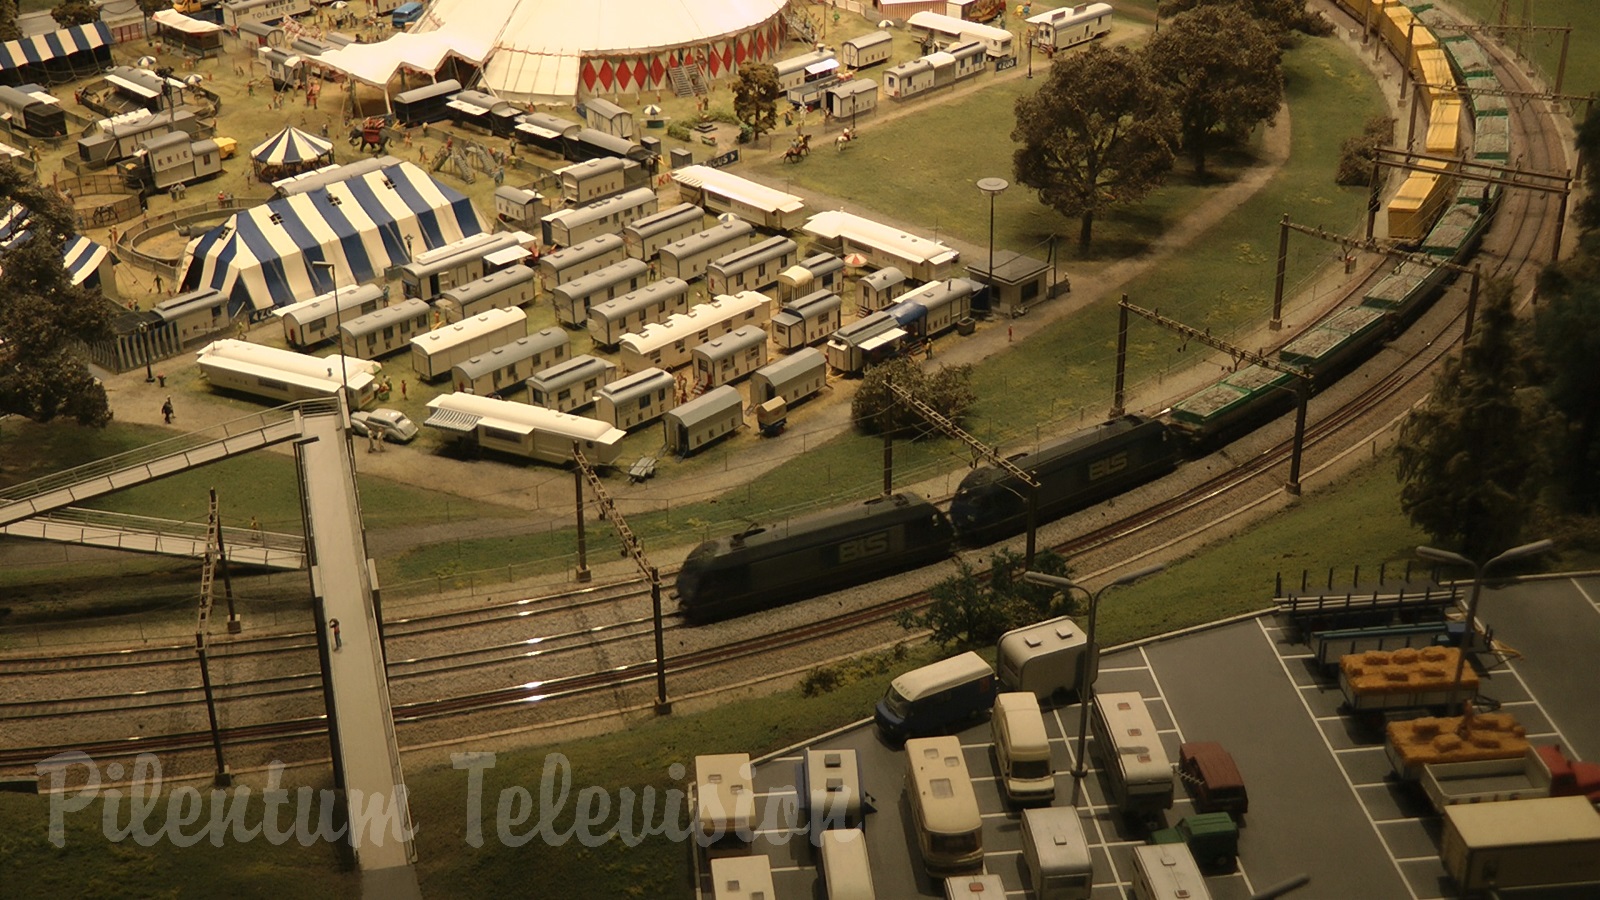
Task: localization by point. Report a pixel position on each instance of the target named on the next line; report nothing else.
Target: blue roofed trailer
(574, 225)
(508, 366)
(807, 320)
(574, 299)
(404, 14)
(556, 269)
(752, 268)
(691, 427)
(570, 385)
(610, 320)
(432, 272)
(238, 12)
(793, 378)
(730, 357)
(383, 331)
(429, 103)
(636, 400)
(196, 314)
(934, 308)
(313, 321)
(688, 258)
(515, 285)
(646, 236)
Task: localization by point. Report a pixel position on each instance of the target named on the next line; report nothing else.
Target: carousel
(289, 153)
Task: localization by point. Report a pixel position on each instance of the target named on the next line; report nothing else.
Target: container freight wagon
(314, 321)
(556, 269)
(1058, 29)
(510, 287)
(644, 237)
(432, 272)
(575, 225)
(729, 358)
(720, 191)
(636, 400)
(284, 375)
(1521, 843)
(753, 268)
(507, 367)
(688, 258)
(666, 345)
(866, 50)
(522, 430)
(1135, 760)
(383, 331)
(570, 385)
(631, 312)
(429, 103)
(703, 420)
(939, 69)
(574, 299)
(434, 354)
(793, 378)
(239, 12)
(807, 320)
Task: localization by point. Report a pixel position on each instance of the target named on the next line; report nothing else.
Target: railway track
(1517, 244)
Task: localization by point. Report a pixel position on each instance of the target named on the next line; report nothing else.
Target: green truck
(1212, 838)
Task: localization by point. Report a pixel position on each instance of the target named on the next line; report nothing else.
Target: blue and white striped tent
(292, 149)
(56, 56)
(261, 258)
(85, 261)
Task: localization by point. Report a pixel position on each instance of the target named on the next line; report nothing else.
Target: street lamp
(992, 187)
(409, 256)
(338, 325)
(144, 340)
(1478, 571)
(1091, 656)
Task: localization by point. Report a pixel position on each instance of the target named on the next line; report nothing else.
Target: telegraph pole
(631, 546)
(1302, 388)
(950, 428)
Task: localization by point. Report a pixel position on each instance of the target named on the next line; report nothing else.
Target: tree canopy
(1220, 89)
(876, 410)
(1473, 458)
(755, 96)
(971, 611)
(1281, 16)
(9, 29)
(75, 12)
(43, 316)
(1099, 132)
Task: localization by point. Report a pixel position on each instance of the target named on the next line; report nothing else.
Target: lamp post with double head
(1091, 656)
(338, 327)
(1478, 571)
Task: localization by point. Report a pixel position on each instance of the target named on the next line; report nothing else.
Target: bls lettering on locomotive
(865, 547)
(1110, 465)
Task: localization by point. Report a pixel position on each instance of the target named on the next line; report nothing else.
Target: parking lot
(1322, 799)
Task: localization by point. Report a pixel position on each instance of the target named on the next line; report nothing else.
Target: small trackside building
(807, 320)
(632, 311)
(636, 400)
(730, 357)
(383, 331)
(508, 367)
(570, 385)
(435, 353)
(522, 430)
(703, 420)
(794, 378)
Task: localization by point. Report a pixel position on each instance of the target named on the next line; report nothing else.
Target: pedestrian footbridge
(144, 534)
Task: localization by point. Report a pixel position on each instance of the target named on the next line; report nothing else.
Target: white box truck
(1521, 843)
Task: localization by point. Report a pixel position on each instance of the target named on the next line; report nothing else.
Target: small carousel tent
(261, 257)
(290, 152)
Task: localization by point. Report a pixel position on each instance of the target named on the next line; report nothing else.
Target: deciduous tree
(755, 96)
(1472, 459)
(75, 12)
(876, 409)
(1282, 16)
(9, 29)
(1220, 88)
(1099, 132)
(44, 317)
(969, 610)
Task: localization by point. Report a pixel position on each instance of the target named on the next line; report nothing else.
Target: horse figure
(845, 137)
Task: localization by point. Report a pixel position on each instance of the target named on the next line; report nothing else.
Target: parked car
(391, 424)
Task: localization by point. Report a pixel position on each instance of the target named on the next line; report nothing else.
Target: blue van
(932, 699)
(405, 14)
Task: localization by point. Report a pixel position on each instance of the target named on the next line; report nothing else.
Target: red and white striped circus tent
(559, 51)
